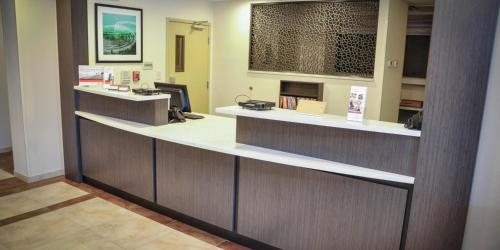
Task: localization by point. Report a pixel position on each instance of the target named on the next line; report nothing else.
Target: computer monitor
(179, 95)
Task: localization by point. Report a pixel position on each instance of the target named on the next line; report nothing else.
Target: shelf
(299, 95)
(302, 89)
(293, 90)
(414, 81)
(410, 108)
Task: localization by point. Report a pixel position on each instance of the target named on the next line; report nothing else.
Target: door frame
(208, 24)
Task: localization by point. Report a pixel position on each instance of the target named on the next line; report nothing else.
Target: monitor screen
(179, 95)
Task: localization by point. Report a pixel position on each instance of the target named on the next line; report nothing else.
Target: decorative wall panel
(325, 38)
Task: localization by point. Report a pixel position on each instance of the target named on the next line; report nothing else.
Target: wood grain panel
(117, 158)
(73, 51)
(460, 55)
(196, 182)
(153, 112)
(392, 153)
(296, 208)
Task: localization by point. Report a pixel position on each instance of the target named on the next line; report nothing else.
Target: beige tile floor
(4, 175)
(33, 199)
(94, 224)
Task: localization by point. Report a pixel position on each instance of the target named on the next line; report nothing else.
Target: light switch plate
(171, 79)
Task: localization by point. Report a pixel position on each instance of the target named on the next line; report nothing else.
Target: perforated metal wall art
(325, 38)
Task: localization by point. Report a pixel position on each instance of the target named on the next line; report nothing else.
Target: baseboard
(39, 177)
(5, 150)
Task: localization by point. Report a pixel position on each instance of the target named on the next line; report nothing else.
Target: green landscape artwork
(119, 34)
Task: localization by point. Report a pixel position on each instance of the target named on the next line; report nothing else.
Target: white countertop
(326, 120)
(121, 95)
(218, 134)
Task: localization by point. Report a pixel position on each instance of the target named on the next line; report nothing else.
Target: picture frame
(118, 34)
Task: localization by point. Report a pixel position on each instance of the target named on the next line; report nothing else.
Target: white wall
(230, 76)
(14, 86)
(155, 14)
(483, 221)
(5, 142)
(230, 64)
(33, 81)
(39, 74)
(395, 50)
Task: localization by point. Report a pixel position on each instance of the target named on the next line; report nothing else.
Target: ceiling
(421, 2)
(410, 1)
(414, 2)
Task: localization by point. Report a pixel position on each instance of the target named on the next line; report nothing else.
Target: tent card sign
(109, 76)
(357, 101)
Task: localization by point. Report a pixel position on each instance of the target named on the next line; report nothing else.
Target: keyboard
(193, 116)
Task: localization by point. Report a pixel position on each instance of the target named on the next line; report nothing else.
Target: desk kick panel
(296, 208)
(196, 182)
(117, 158)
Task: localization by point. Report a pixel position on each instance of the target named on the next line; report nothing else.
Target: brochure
(95, 75)
(90, 75)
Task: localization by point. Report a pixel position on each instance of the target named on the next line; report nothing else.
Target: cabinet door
(196, 182)
(297, 208)
(117, 158)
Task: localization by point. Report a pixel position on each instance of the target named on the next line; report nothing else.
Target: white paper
(357, 101)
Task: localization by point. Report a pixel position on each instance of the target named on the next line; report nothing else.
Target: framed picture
(118, 34)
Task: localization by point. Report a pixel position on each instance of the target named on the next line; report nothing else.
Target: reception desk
(371, 144)
(265, 179)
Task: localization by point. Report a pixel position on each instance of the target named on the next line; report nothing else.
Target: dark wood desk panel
(386, 152)
(463, 35)
(153, 112)
(196, 182)
(117, 158)
(296, 208)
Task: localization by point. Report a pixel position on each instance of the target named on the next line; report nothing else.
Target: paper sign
(357, 101)
(126, 77)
